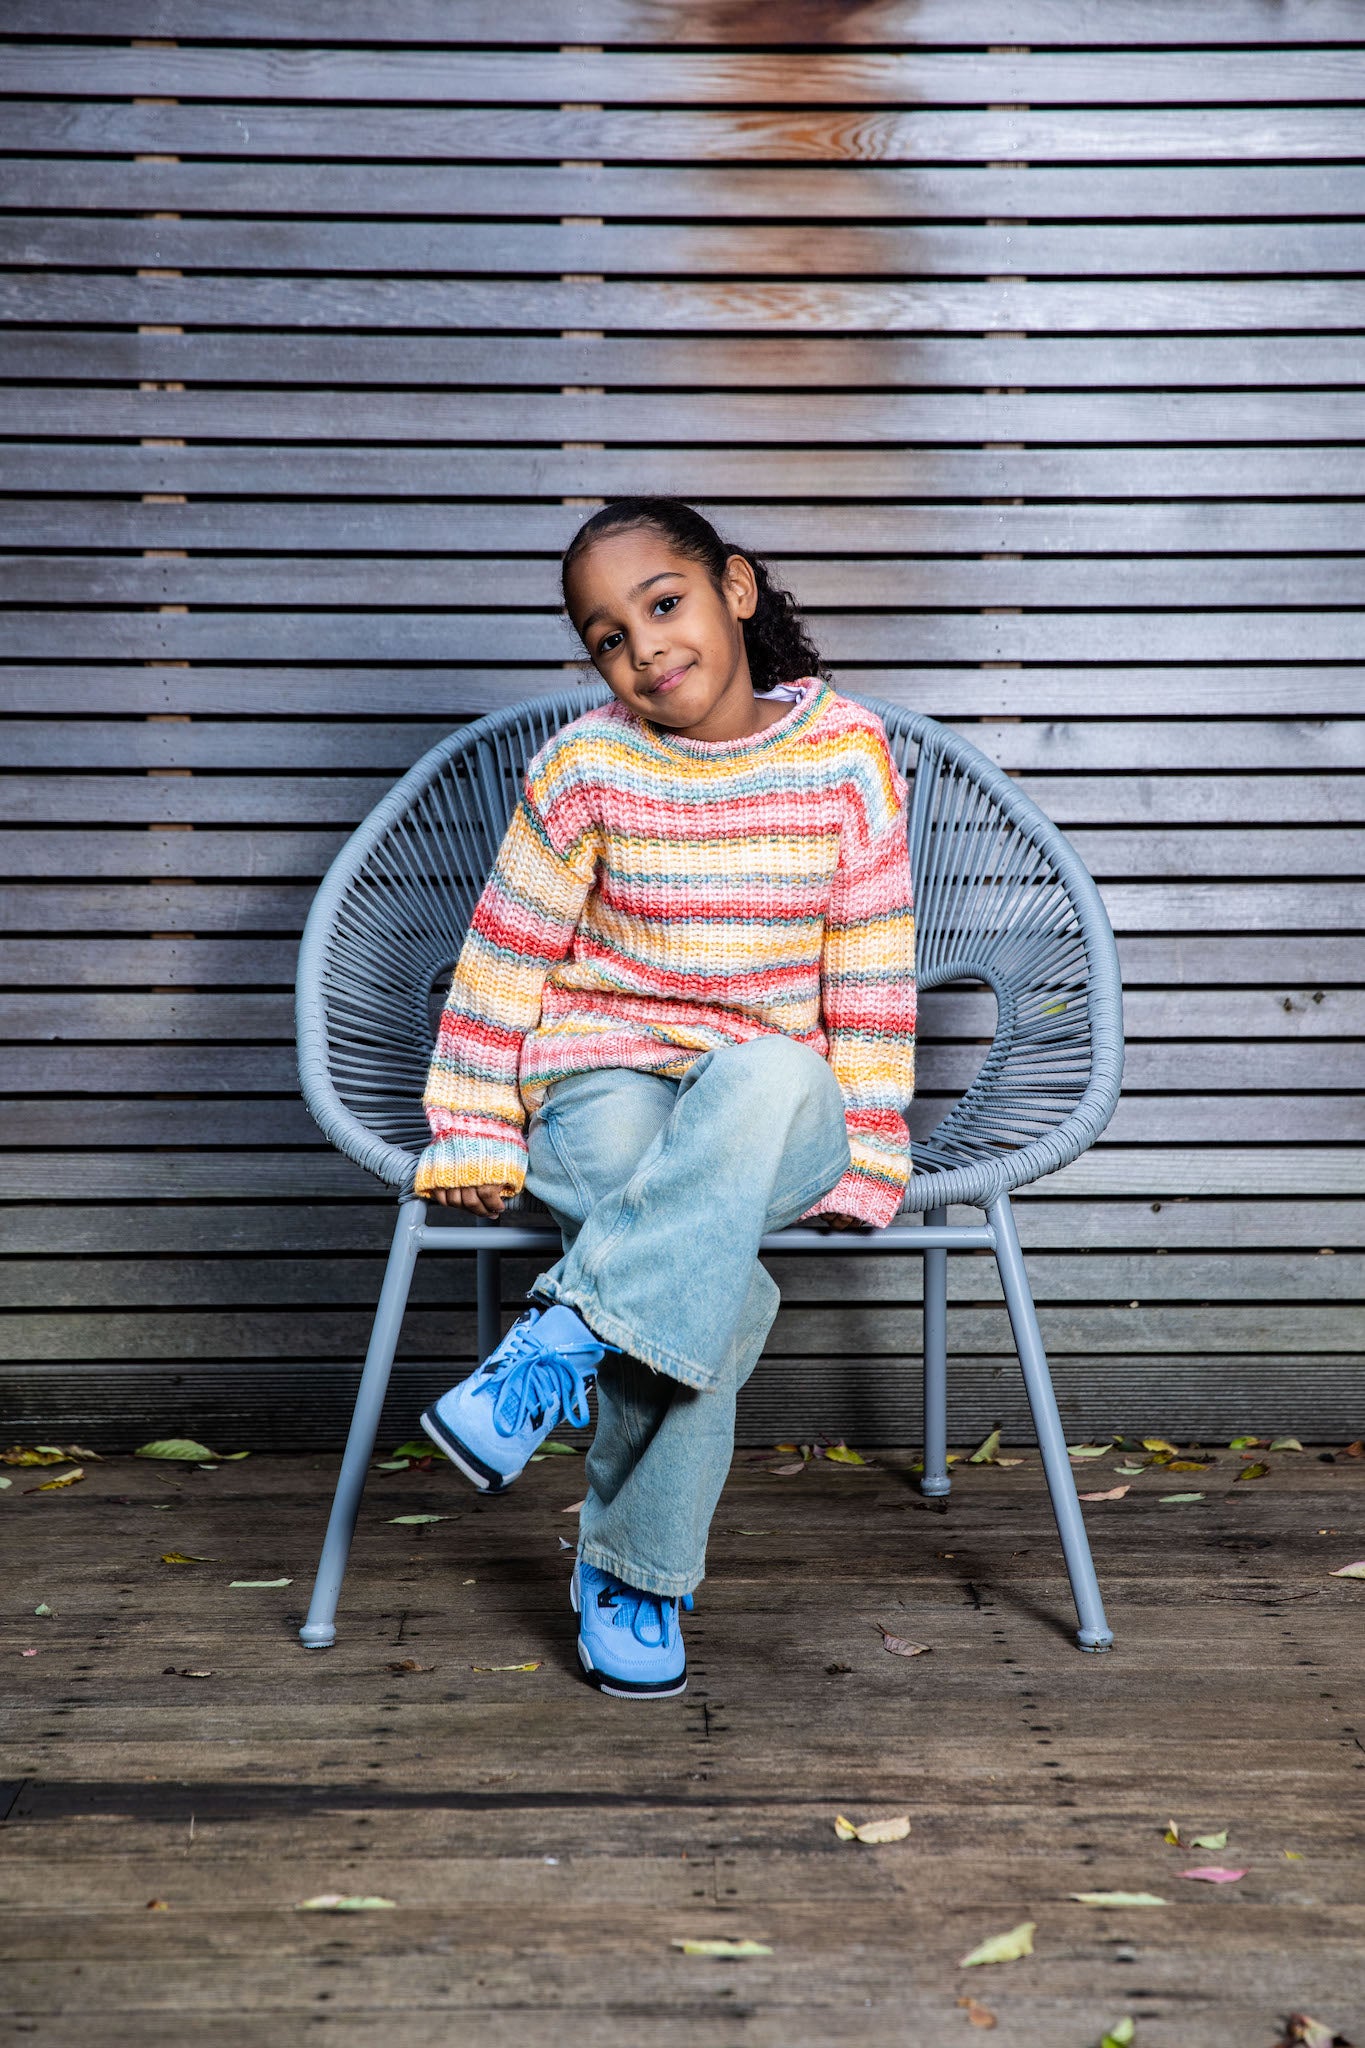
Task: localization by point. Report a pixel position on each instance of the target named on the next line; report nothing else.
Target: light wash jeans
(662, 1189)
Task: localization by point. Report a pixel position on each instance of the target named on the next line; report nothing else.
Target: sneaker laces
(658, 1612)
(530, 1381)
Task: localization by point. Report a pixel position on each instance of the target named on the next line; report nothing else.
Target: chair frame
(966, 1170)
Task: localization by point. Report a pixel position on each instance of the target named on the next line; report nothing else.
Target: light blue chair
(1000, 899)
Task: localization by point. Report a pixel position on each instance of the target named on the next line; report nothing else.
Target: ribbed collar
(808, 707)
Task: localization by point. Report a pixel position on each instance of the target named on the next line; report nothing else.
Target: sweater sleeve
(523, 924)
(867, 993)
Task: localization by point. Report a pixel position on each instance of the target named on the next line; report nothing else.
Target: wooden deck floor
(544, 1847)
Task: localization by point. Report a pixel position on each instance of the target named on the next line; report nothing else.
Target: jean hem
(668, 1585)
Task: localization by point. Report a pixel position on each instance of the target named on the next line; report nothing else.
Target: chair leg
(1094, 1632)
(487, 1293)
(319, 1630)
(935, 1480)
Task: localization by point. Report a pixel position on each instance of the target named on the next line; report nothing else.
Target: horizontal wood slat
(1023, 336)
(916, 24)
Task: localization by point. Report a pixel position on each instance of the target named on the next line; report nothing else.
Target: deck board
(544, 1846)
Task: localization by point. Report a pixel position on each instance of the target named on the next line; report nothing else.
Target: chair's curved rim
(975, 1182)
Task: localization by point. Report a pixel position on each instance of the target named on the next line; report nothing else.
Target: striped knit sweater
(656, 896)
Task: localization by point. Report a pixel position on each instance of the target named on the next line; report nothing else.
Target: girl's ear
(740, 586)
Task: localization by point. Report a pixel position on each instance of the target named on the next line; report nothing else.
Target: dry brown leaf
(1111, 1493)
(158, 1906)
(186, 1557)
(785, 1471)
(535, 1666)
(1357, 1449)
(900, 1646)
(411, 1664)
(978, 2014)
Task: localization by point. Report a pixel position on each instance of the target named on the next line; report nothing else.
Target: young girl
(692, 968)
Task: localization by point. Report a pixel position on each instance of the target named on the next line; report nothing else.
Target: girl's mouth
(666, 682)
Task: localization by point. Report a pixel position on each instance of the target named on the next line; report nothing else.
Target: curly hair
(779, 648)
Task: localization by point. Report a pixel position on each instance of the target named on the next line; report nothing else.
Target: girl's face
(666, 640)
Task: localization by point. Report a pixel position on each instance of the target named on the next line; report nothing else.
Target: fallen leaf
(1130, 1471)
(720, 1948)
(1159, 1443)
(182, 1447)
(574, 1506)
(393, 1465)
(1172, 1834)
(838, 1670)
(1349, 1571)
(1293, 1855)
(840, 1454)
(1218, 1841)
(341, 1902)
(1002, 1948)
(28, 1653)
(984, 1454)
(232, 1457)
(184, 1557)
(1187, 1464)
(785, 1471)
(1213, 1873)
(1285, 1443)
(978, 2015)
(1089, 1450)
(1311, 2033)
(260, 1582)
(34, 1454)
(1357, 1449)
(1113, 1493)
(62, 1479)
(1258, 1471)
(417, 1447)
(873, 1831)
(788, 1450)
(1008, 1462)
(1117, 1899)
(42, 1608)
(535, 1666)
(1121, 2034)
(551, 1448)
(1172, 1498)
(411, 1664)
(5, 1482)
(158, 1906)
(1245, 1443)
(412, 1521)
(899, 1646)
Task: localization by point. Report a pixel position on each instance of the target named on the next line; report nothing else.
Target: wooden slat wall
(1024, 336)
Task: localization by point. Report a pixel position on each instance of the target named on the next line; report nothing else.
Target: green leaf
(1257, 1471)
(4, 1483)
(1130, 1471)
(393, 1465)
(552, 1448)
(1244, 1443)
(840, 1454)
(42, 1608)
(1002, 1948)
(1172, 1498)
(1117, 1899)
(984, 1454)
(1218, 1841)
(260, 1582)
(1286, 1443)
(1120, 2035)
(411, 1521)
(418, 1447)
(183, 1447)
(721, 1948)
(341, 1902)
(231, 1457)
(1349, 1571)
(1088, 1450)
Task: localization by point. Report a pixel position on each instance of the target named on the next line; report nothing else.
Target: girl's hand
(484, 1201)
(838, 1221)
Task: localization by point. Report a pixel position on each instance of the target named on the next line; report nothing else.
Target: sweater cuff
(484, 1161)
(863, 1192)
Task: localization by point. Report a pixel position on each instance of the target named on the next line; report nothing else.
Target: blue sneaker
(489, 1424)
(629, 1642)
